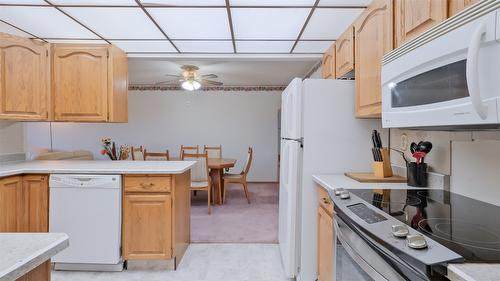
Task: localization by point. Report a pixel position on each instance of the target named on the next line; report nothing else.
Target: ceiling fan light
(191, 85)
(196, 85)
(187, 85)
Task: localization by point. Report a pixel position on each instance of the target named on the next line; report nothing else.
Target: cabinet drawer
(147, 183)
(324, 201)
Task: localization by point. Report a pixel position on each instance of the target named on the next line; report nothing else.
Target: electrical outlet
(404, 142)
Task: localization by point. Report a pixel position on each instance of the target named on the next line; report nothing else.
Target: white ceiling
(230, 72)
(178, 27)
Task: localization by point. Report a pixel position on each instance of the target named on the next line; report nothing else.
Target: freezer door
(288, 196)
(291, 110)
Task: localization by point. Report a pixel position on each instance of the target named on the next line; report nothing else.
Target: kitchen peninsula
(155, 194)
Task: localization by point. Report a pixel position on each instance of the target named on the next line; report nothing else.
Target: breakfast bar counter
(22, 252)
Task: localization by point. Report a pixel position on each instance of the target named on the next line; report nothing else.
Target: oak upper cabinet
(11, 204)
(328, 63)
(344, 58)
(413, 17)
(24, 79)
(455, 6)
(373, 38)
(326, 236)
(89, 83)
(147, 226)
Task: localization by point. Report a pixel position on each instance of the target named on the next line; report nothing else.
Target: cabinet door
(80, 83)
(325, 246)
(344, 59)
(455, 6)
(373, 38)
(413, 17)
(147, 226)
(328, 63)
(11, 205)
(24, 80)
(36, 192)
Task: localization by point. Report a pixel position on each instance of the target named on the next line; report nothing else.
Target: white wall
(11, 137)
(161, 120)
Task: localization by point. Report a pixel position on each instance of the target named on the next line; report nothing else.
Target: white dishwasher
(88, 209)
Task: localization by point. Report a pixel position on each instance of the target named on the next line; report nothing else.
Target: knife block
(383, 169)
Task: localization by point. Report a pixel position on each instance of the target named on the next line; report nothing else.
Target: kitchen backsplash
(11, 137)
(471, 159)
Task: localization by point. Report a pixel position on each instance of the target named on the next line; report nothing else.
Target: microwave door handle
(472, 71)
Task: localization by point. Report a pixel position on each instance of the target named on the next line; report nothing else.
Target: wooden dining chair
(137, 153)
(189, 149)
(156, 156)
(239, 178)
(213, 151)
(200, 178)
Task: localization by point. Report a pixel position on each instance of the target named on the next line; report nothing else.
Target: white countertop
(95, 167)
(340, 180)
(22, 252)
(474, 272)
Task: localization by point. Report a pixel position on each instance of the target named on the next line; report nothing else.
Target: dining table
(217, 167)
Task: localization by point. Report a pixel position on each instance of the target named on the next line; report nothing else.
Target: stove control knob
(416, 241)
(400, 230)
(338, 191)
(345, 195)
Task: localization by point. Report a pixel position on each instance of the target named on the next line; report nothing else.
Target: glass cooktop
(469, 227)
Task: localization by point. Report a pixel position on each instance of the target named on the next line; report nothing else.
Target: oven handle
(472, 71)
(377, 246)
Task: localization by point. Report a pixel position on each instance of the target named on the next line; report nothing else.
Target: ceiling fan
(190, 79)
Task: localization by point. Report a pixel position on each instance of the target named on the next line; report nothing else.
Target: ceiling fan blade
(173, 75)
(167, 82)
(209, 76)
(212, 83)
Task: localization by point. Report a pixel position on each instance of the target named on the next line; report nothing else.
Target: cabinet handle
(147, 185)
(326, 201)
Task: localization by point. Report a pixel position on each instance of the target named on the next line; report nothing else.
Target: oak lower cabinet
(344, 58)
(24, 79)
(455, 6)
(413, 17)
(24, 205)
(11, 204)
(373, 38)
(89, 83)
(156, 217)
(328, 63)
(147, 226)
(326, 240)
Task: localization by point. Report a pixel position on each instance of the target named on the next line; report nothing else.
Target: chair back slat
(189, 149)
(156, 156)
(137, 153)
(248, 164)
(213, 151)
(199, 172)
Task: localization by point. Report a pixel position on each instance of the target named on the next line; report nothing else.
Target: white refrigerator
(319, 135)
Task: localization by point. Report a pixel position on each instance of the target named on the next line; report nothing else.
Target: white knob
(400, 230)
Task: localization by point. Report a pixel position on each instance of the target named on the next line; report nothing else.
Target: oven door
(451, 81)
(356, 260)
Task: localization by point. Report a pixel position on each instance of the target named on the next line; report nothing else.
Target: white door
(291, 110)
(289, 189)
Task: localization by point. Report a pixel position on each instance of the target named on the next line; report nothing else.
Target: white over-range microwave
(449, 77)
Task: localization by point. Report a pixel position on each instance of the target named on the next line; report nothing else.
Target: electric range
(466, 226)
(448, 227)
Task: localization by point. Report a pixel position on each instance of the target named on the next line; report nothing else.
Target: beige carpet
(237, 221)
